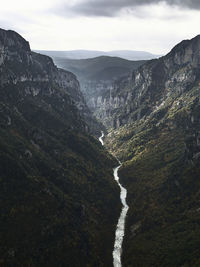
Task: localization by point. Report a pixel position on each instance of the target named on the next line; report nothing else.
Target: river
(101, 138)
(120, 229)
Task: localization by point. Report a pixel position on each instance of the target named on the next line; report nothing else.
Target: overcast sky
(146, 25)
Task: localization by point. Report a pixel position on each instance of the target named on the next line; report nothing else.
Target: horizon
(64, 25)
(94, 50)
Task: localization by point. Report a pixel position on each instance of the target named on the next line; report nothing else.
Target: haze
(153, 26)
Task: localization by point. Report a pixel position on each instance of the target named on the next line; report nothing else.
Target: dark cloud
(110, 8)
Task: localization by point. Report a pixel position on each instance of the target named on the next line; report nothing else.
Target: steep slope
(96, 76)
(156, 113)
(59, 204)
(152, 86)
(41, 69)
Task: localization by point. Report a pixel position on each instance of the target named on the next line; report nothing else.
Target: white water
(101, 138)
(119, 233)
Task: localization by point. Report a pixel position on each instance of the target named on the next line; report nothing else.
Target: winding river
(101, 138)
(120, 229)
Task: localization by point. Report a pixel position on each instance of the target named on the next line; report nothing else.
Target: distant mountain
(133, 55)
(96, 75)
(84, 54)
(98, 68)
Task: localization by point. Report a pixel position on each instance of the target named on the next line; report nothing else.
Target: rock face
(96, 76)
(151, 86)
(155, 114)
(59, 203)
(38, 76)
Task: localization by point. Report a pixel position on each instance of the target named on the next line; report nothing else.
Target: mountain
(98, 68)
(154, 117)
(59, 203)
(96, 75)
(150, 87)
(132, 55)
(85, 54)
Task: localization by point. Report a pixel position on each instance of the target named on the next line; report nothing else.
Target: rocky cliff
(153, 85)
(38, 76)
(59, 204)
(96, 76)
(155, 114)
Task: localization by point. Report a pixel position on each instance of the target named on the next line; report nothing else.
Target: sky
(143, 25)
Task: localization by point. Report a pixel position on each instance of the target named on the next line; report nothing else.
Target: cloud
(111, 8)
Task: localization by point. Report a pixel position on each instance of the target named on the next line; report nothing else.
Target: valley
(60, 138)
(97, 77)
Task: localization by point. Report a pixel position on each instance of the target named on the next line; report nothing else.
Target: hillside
(98, 68)
(59, 204)
(155, 112)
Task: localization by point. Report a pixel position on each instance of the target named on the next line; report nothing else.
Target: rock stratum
(154, 114)
(59, 204)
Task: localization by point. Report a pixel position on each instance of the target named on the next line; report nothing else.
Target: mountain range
(59, 202)
(84, 54)
(102, 68)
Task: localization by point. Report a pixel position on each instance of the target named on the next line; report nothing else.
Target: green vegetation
(59, 204)
(162, 175)
(58, 201)
(58, 198)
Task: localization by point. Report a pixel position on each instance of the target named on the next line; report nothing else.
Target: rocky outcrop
(59, 203)
(153, 85)
(96, 76)
(37, 76)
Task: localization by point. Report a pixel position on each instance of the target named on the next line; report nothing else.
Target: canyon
(60, 202)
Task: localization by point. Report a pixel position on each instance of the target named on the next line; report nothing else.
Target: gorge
(60, 204)
(120, 229)
(56, 179)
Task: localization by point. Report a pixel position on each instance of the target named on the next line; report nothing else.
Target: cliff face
(57, 189)
(157, 134)
(37, 76)
(152, 85)
(96, 76)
